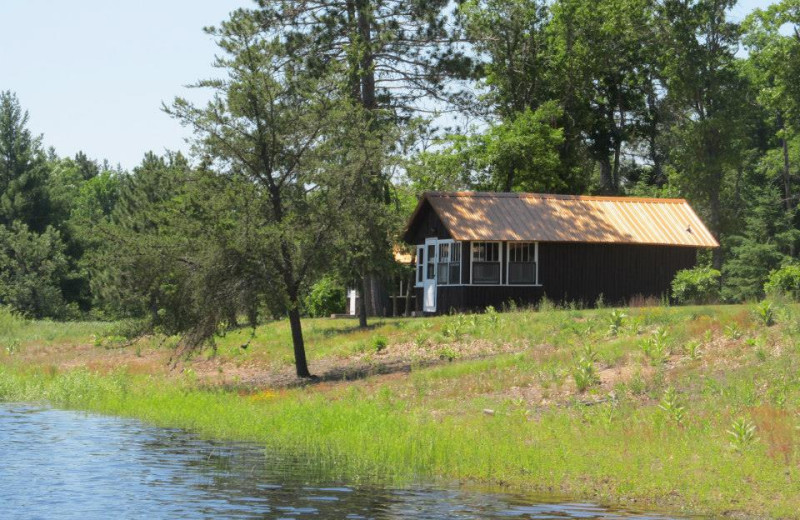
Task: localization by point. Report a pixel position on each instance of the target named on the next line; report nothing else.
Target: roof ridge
(555, 196)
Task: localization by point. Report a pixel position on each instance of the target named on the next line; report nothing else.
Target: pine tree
(23, 169)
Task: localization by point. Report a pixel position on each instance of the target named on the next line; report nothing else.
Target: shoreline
(475, 420)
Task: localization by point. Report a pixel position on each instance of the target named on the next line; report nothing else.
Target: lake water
(64, 464)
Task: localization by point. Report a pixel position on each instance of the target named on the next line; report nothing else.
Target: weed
(12, 347)
(670, 403)
(448, 353)
(656, 347)
(379, 343)
(732, 331)
(743, 434)
(546, 305)
(455, 327)
(637, 384)
(608, 414)
(765, 312)
(692, 349)
(491, 317)
(584, 374)
(420, 340)
(615, 321)
(600, 302)
(761, 354)
(588, 352)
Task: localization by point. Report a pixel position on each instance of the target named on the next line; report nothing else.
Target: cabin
(476, 249)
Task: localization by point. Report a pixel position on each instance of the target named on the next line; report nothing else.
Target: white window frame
(455, 244)
(452, 245)
(439, 262)
(500, 249)
(419, 263)
(535, 260)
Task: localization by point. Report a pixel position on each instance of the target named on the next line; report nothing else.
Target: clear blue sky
(93, 73)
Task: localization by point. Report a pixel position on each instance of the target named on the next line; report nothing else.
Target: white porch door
(429, 276)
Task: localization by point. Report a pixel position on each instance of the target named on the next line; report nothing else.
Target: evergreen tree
(23, 169)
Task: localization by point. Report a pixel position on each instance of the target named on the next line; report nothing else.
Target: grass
(711, 427)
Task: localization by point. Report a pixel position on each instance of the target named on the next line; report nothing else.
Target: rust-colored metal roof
(567, 218)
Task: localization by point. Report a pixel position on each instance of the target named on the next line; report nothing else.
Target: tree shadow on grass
(328, 333)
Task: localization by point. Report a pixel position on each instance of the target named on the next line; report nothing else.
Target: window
(455, 263)
(449, 263)
(521, 263)
(420, 264)
(443, 265)
(486, 262)
(430, 260)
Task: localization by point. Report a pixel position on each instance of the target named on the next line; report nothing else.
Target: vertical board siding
(429, 226)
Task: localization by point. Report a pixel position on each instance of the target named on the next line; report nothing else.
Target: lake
(66, 464)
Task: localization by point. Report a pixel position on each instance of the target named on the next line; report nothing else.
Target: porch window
(420, 264)
(430, 260)
(522, 263)
(486, 262)
(449, 263)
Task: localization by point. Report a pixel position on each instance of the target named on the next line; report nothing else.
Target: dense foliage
(784, 282)
(326, 120)
(696, 286)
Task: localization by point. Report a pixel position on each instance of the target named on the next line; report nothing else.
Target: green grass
(662, 436)
(14, 328)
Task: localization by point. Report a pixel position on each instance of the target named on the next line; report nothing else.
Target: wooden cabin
(475, 249)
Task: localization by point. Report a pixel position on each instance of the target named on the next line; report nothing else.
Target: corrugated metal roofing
(568, 218)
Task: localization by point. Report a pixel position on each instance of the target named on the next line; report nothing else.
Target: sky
(93, 74)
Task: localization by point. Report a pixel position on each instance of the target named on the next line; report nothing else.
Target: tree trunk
(509, 184)
(367, 59)
(787, 187)
(410, 288)
(652, 136)
(362, 304)
(300, 362)
(606, 175)
(716, 224)
(615, 171)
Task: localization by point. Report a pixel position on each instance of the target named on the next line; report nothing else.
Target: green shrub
(379, 343)
(327, 297)
(448, 353)
(784, 282)
(696, 286)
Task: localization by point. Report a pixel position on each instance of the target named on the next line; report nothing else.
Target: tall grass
(656, 440)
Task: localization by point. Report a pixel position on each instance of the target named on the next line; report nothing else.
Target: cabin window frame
(419, 266)
(535, 264)
(452, 265)
(473, 248)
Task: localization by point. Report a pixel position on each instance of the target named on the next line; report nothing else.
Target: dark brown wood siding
(575, 272)
(429, 226)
